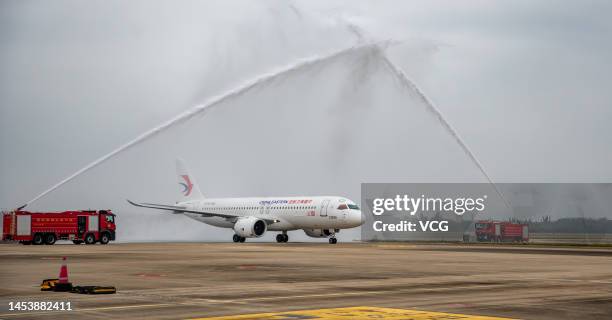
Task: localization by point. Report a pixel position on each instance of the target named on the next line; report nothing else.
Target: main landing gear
(238, 238)
(282, 237)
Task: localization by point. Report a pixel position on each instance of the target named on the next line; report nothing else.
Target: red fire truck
(501, 231)
(87, 226)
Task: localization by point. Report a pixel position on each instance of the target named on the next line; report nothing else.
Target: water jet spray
(212, 102)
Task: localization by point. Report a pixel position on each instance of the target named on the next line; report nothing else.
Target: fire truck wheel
(50, 238)
(90, 239)
(104, 238)
(38, 239)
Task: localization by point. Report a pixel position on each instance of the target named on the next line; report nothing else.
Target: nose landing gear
(333, 240)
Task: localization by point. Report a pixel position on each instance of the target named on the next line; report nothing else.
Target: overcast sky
(525, 83)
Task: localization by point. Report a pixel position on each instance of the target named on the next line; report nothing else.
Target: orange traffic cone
(62, 283)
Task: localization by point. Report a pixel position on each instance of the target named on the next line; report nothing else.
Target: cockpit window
(342, 207)
(353, 206)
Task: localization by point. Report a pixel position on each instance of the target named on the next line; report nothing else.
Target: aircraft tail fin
(188, 187)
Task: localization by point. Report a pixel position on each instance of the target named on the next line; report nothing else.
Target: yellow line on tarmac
(355, 313)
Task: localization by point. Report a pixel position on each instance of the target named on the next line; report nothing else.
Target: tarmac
(313, 281)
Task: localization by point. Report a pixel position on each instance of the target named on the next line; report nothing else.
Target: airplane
(318, 216)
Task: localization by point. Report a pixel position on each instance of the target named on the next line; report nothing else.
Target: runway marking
(193, 302)
(355, 313)
(342, 294)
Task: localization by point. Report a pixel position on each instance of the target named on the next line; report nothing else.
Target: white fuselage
(290, 213)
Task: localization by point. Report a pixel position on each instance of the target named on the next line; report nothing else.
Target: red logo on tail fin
(187, 185)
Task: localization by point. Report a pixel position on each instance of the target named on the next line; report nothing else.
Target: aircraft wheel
(333, 240)
(280, 238)
(242, 239)
(236, 238)
(285, 237)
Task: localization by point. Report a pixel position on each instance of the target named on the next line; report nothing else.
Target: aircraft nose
(359, 218)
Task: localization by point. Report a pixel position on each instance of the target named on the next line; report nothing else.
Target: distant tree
(571, 225)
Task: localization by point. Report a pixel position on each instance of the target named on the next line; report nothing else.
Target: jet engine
(250, 227)
(320, 233)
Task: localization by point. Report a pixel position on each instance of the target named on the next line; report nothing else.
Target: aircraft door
(324, 205)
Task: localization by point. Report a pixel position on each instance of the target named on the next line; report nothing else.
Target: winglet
(132, 203)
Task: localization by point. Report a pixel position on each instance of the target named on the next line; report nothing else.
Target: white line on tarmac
(244, 300)
(255, 299)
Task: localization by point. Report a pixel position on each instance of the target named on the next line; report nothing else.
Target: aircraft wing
(179, 209)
